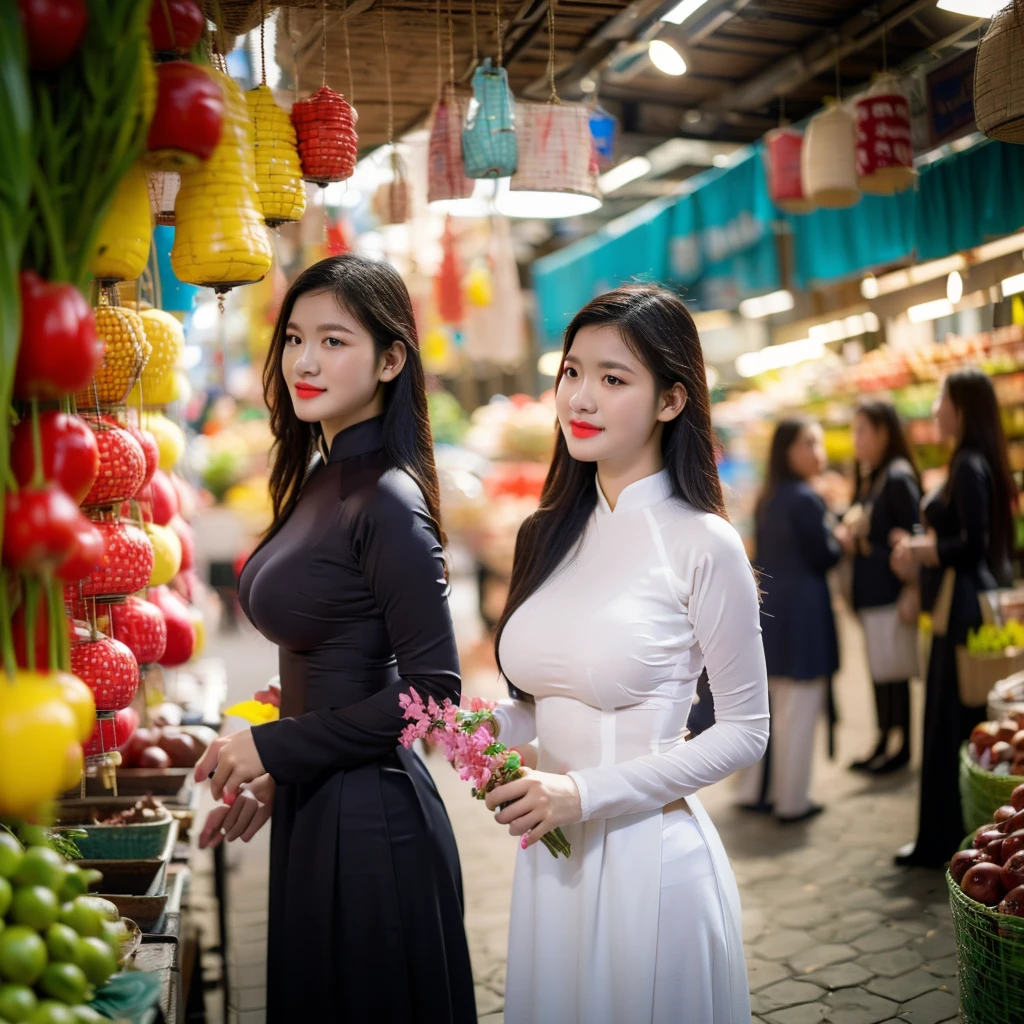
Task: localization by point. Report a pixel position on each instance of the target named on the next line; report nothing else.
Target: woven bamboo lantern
(446, 174)
(278, 174)
(325, 125)
(392, 201)
(999, 77)
(489, 146)
(785, 181)
(885, 152)
(163, 189)
(829, 160)
(122, 247)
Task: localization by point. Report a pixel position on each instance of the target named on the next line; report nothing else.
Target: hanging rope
(782, 110)
(500, 31)
(451, 46)
(387, 72)
(551, 51)
(323, 41)
(885, 51)
(440, 77)
(348, 57)
(263, 45)
(291, 44)
(839, 84)
(476, 39)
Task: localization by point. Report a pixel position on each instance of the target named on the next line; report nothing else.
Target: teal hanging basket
(489, 148)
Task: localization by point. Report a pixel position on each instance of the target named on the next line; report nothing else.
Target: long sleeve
(517, 721)
(819, 547)
(402, 561)
(971, 497)
(721, 603)
(902, 500)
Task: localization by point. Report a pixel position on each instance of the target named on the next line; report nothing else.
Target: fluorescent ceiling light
(1012, 285)
(848, 327)
(683, 10)
(480, 204)
(549, 362)
(930, 311)
(775, 357)
(972, 8)
(766, 305)
(545, 205)
(665, 57)
(624, 173)
(954, 287)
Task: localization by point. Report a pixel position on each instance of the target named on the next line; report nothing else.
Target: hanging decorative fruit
(785, 181)
(325, 128)
(167, 339)
(40, 527)
(181, 632)
(149, 449)
(170, 438)
(54, 30)
(139, 625)
(126, 349)
(71, 457)
(106, 666)
(175, 26)
(885, 152)
(220, 239)
(111, 733)
(122, 465)
(448, 283)
(278, 174)
(90, 547)
(188, 121)
(127, 564)
(122, 247)
(166, 554)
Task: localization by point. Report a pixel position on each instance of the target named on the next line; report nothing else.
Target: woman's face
(948, 418)
(329, 363)
(869, 442)
(807, 452)
(609, 406)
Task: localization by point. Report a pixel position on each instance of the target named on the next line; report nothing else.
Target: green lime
(5, 896)
(115, 934)
(22, 955)
(41, 866)
(75, 884)
(36, 906)
(87, 1015)
(51, 1012)
(66, 982)
(97, 959)
(79, 915)
(17, 1002)
(62, 943)
(105, 908)
(10, 854)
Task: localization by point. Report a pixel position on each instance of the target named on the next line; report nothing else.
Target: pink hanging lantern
(785, 182)
(446, 174)
(448, 283)
(885, 153)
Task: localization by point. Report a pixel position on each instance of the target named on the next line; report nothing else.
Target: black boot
(899, 719)
(883, 704)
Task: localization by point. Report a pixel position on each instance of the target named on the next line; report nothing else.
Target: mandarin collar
(641, 494)
(359, 439)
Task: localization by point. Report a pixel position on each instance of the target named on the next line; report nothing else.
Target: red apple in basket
(995, 851)
(984, 734)
(154, 757)
(1018, 741)
(1001, 751)
(141, 739)
(984, 883)
(1004, 813)
(1017, 765)
(1008, 728)
(1016, 822)
(1017, 798)
(1013, 871)
(1013, 902)
(1013, 843)
(964, 859)
(987, 834)
(181, 748)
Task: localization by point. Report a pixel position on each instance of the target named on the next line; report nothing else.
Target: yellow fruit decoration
(479, 285)
(166, 554)
(220, 239)
(126, 234)
(74, 765)
(170, 439)
(167, 338)
(127, 349)
(167, 390)
(278, 172)
(37, 728)
(79, 698)
(199, 627)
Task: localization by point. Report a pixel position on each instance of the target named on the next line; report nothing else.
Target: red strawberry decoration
(181, 634)
(71, 457)
(128, 563)
(108, 668)
(140, 626)
(188, 543)
(163, 498)
(85, 556)
(111, 733)
(122, 466)
(150, 450)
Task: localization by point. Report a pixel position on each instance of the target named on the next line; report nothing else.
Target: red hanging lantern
(127, 565)
(446, 172)
(448, 283)
(784, 175)
(122, 464)
(885, 152)
(325, 127)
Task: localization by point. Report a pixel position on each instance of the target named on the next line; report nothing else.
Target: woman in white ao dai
(642, 923)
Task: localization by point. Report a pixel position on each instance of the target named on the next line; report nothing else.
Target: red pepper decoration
(71, 457)
(108, 668)
(54, 30)
(189, 116)
(40, 527)
(86, 555)
(175, 26)
(325, 126)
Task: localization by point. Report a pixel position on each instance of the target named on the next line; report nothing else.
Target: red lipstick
(581, 429)
(303, 390)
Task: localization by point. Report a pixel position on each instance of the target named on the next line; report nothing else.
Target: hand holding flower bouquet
(466, 737)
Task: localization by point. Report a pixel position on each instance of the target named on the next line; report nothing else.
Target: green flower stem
(37, 447)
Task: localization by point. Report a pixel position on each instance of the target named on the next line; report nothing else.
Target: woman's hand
(228, 762)
(846, 539)
(244, 818)
(901, 559)
(270, 694)
(540, 802)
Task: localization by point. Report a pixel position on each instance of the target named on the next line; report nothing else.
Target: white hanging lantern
(885, 152)
(829, 159)
(557, 174)
(163, 188)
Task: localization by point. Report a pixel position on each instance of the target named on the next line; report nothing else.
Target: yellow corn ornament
(167, 337)
(278, 172)
(220, 239)
(122, 247)
(127, 349)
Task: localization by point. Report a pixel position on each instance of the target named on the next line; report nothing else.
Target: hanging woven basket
(556, 150)
(489, 145)
(392, 201)
(885, 152)
(999, 77)
(325, 125)
(829, 160)
(278, 174)
(446, 173)
(785, 183)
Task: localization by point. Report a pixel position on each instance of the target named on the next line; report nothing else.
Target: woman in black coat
(795, 549)
(964, 554)
(887, 486)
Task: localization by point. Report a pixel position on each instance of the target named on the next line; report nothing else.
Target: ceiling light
(871, 323)
(954, 287)
(665, 57)
(546, 205)
(775, 357)
(624, 173)
(1012, 285)
(766, 305)
(549, 363)
(480, 204)
(972, 8)
(869, 287)
(930, 311)
(683, 10)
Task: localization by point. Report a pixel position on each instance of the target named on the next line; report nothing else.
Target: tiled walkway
(833, 932)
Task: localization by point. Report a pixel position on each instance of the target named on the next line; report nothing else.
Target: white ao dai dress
(642, 923)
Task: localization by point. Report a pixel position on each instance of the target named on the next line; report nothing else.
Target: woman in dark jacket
(795, 549)
(964, 554)
(887, 486)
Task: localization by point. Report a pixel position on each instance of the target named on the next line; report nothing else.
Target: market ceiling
(743, 57)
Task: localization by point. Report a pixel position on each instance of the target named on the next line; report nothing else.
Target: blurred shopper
(965, 554)
(795, 549)
(887, 489)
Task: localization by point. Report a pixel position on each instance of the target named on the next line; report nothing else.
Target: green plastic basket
(141, 841)
(982, 792)
(989, 960)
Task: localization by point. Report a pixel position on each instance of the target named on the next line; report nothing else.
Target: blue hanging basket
(489, 148)
(604, 130)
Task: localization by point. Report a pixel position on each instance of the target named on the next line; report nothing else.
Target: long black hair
(883, 415)
(659, 330)
(779, 470)
(971, 392)
(375, 295)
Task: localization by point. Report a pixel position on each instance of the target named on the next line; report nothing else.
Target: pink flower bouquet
(467, 741)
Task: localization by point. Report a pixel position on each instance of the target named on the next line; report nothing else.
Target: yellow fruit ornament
(37, 728)
(199, 627)
(79, 698)
(220, 239)
(166, 554)
(126, 350)
(278, 172)
(126, 234)
(167, 338)
(170, 439)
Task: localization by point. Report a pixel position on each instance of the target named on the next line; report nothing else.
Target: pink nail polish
(522, 843)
